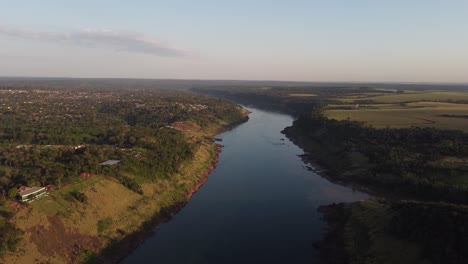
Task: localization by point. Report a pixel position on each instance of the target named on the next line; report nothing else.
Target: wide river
(258, 206)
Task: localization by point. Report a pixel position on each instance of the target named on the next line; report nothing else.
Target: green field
(302, 94)
(408, 96)
(423, 114)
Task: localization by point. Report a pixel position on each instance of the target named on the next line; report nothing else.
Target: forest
(423, 162)
(51, 136)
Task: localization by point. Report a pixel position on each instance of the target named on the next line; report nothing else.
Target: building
(110, 163)
(33, 193)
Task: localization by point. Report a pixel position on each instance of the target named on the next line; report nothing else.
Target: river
(258, 206)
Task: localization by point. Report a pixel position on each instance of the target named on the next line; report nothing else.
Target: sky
(295, 40)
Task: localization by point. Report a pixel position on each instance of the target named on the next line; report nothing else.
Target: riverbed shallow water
(258, 206)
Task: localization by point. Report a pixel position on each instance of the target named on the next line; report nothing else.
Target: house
(34, 193)
(110, 163)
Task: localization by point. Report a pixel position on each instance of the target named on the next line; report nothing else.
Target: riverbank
(325, 159)
(117, 251)
(396, 161)
(261, 184)
(410, 225)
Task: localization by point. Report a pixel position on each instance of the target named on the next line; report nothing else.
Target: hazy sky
(329, 40)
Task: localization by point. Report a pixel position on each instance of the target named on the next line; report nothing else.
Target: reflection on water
(258, 206)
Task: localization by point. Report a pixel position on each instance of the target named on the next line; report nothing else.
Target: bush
(128, 182)
(12, 193)
(104, 224)
(78, 196)
(10, 236)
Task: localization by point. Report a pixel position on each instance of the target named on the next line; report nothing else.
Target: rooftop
(31, 191)
(110, 162)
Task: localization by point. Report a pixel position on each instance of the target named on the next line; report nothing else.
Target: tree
(12, 193)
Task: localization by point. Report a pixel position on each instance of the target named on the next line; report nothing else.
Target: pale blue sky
(329, 40)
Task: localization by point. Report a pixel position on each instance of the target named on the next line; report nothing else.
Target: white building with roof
(33, 193)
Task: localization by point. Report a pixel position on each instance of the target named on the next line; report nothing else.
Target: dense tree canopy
(50, 136)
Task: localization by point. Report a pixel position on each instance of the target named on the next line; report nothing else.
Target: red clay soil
(56, 239)
(16, 205)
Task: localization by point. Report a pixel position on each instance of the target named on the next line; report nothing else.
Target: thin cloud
(119, 40)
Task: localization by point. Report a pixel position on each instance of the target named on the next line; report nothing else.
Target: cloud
(119, 40)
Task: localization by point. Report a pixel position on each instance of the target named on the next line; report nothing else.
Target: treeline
(416, 161)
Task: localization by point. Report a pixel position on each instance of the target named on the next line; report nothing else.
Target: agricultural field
(407, 96)
(422, 109)
(302, 94)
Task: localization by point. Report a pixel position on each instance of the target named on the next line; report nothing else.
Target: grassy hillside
(62, 230)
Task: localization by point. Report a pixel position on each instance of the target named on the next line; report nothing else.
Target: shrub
(104, 224)
(79, 196)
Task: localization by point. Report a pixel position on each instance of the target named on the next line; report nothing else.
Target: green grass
(409, 96)
(56, 203)
(104, 224)
(422, 114)
(81, 185)
(50, 207)
(302, 94)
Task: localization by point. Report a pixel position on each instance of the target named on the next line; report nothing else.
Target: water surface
(258, 206)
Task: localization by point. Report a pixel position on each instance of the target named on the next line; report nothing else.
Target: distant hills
(59, 82)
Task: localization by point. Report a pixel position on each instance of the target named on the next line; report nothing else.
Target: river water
(258, 206)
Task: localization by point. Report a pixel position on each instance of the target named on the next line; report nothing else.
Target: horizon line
(241, 80)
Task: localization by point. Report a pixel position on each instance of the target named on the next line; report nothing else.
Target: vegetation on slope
(423, 162)
(9, 234)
